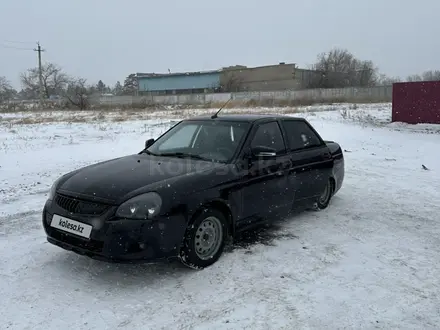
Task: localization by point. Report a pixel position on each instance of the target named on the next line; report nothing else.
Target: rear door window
(300, 135)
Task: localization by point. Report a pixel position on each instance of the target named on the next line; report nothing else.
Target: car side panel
(313, 169)
(264, 188)
(227, 196)
(338, 172)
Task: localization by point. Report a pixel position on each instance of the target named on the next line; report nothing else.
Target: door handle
(327, 155)
(280, 168)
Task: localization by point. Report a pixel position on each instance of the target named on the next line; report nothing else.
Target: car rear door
(311, 159)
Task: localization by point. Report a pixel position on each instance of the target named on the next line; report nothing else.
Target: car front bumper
(117, 240)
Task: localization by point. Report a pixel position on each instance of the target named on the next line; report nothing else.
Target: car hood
(113, 179)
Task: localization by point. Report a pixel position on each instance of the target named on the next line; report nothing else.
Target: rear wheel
(204, 239)
(325, 197)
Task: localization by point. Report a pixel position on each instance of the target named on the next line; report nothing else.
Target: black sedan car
(202, 181)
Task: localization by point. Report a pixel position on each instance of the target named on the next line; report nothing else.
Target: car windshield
(207, 140)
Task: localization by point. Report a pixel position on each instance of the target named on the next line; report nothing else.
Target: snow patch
(371, 260)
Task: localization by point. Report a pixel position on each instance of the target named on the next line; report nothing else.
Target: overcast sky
(108, 39)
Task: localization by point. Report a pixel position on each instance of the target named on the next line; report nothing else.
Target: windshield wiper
(182, 155)
(145, 151)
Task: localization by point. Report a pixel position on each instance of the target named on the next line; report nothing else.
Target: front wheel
(204, 240)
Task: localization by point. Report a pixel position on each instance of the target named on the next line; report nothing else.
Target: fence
(416, 102)
(351, 94)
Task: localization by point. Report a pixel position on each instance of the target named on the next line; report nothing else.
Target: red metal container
(416, 102)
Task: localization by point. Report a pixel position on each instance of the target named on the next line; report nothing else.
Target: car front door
(311, 159)
(264, 182)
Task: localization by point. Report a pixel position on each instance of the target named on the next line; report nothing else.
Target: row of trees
(57, 83)
(340, 68)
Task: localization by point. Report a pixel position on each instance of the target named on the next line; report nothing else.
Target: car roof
(244, 117)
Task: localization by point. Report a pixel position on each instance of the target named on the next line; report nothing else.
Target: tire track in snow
(20, 222)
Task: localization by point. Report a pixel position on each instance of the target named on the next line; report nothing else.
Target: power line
(18, 42)
(39, 50)
(13, 47)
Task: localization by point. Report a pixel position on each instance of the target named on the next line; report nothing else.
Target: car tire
(198, 251)
(324, 200)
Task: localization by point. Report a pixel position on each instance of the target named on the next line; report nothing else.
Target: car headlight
(141, 207)
(53, 189)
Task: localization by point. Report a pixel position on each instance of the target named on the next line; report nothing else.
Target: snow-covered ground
(370, 261)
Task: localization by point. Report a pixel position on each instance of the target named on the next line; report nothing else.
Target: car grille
(80, 207)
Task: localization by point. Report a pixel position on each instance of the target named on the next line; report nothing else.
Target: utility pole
(40, 73)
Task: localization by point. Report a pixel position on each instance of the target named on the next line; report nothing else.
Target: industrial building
(237, 78)
(179, 83)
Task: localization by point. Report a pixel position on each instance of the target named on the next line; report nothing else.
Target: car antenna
(221, 108)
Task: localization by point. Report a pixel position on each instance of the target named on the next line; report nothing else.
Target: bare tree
(54, 80)
(77, 93)
(231, 83)
(431, 75)
(6, 90)
(340, 68)
(385, 80)
(414, 77)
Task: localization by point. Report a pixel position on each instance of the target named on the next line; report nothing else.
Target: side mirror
(262, 152)
(148, 143)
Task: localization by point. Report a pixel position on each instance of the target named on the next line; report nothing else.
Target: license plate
(71, 226)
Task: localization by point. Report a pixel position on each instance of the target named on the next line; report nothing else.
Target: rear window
(300, 135)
